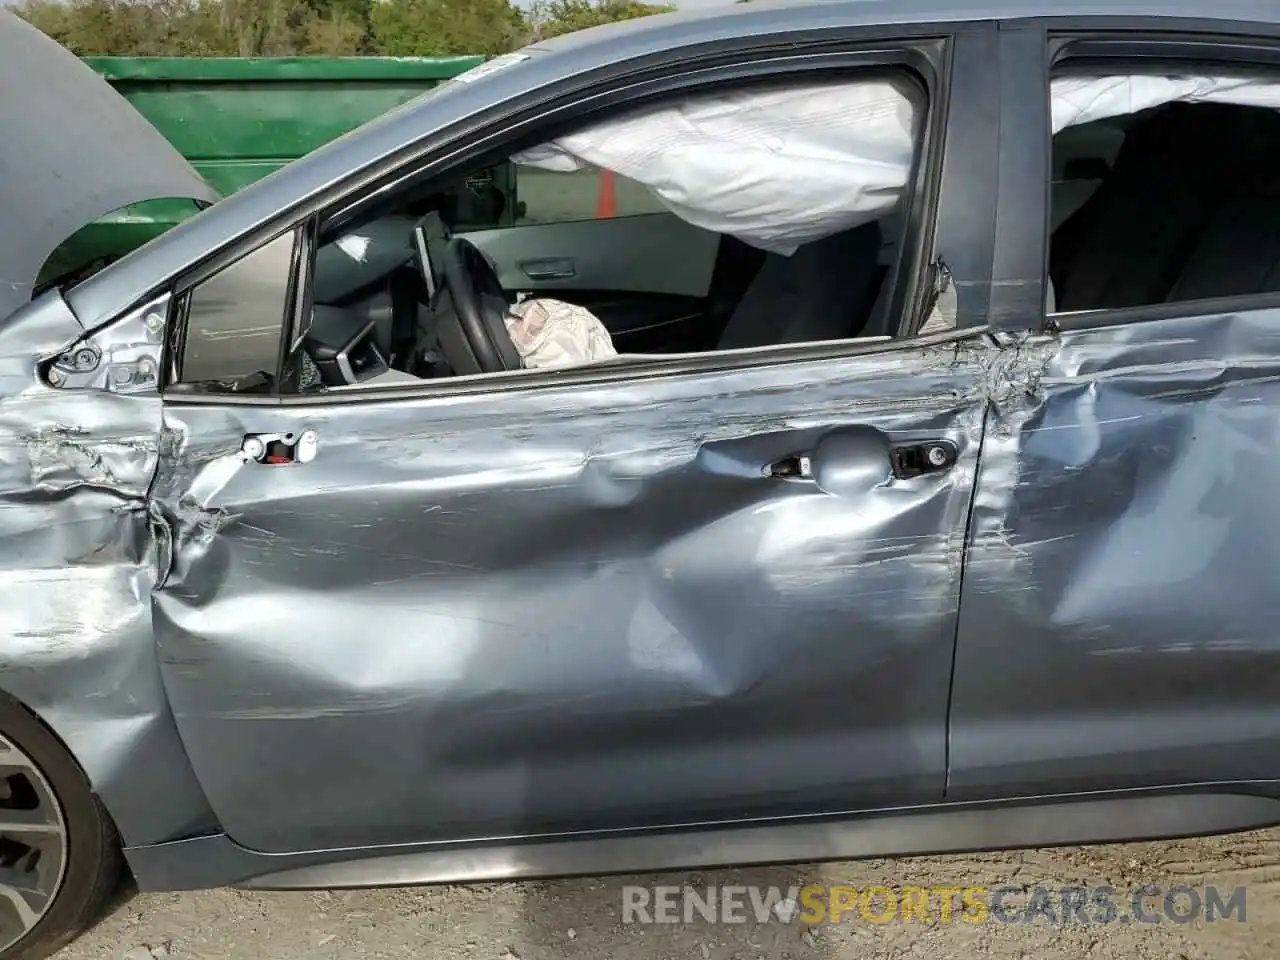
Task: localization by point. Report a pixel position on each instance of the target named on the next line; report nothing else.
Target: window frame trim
(1153, 47)
(174, 348)
(933, 46)
(498, 384)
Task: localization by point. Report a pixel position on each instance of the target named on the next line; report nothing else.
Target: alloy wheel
(33, 844)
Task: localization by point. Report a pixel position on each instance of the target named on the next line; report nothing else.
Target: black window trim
(1136, 45)
(934, 47)
(174, 347)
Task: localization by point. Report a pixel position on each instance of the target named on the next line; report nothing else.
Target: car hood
(73, 151)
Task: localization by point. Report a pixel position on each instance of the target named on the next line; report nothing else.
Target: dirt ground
(574, 919)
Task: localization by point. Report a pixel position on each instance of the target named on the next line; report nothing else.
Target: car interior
(415, 294)
(424, 282)
(1176, 203)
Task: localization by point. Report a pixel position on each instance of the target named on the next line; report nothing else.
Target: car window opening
(744, 219)
(1164, 190)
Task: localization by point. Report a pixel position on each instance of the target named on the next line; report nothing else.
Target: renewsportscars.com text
(837, 903)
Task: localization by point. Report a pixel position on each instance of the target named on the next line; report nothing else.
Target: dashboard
(373, 292)
(344, 350)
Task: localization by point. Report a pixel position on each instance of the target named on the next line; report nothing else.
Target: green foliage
(265, 28)
(556, 17)
(199, 28)
(436, 28)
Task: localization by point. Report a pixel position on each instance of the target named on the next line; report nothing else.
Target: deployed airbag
(776, 168)
(552, 333)
(1077, 100)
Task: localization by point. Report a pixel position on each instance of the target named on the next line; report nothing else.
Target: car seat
(1189, 212)
(823, 291)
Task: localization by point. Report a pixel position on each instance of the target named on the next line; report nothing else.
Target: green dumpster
(238, 119)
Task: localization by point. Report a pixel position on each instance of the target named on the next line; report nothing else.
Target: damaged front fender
(79, 557)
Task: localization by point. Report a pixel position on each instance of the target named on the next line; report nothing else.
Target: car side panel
(78, 558)
(585, 607)
(1118, 623)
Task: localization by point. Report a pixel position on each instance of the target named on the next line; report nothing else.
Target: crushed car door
(522, 611)
(690, 591)
(1117, 627)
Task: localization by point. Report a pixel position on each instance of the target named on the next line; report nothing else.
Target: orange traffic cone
(606, 196)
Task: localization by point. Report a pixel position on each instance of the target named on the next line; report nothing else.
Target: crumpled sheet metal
(502, 616)
(523, 670)
(77, 565)
(1118, 617)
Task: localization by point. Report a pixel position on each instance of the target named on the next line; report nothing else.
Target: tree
(269, 28)
(556, 17)
(201, 28)
(436, 28)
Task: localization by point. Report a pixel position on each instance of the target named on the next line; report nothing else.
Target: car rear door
(520, 605)
(1117, 625)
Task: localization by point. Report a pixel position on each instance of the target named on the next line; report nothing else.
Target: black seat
(824, 291)
(1238, 252)
(1188, 212)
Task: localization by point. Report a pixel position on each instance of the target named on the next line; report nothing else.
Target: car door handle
(855, 460)
(558, 268)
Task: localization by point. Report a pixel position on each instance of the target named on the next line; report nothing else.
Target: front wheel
(59, 855)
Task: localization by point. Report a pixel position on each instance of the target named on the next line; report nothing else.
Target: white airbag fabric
(552, 333)
(1077, 100)
(776, 168)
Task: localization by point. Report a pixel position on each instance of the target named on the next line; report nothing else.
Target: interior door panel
(652, 253)
(650, 323)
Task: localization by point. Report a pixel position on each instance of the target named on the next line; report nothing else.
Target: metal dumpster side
(238, 119)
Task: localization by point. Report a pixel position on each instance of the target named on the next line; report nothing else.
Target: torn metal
(567, 608)
(1115, 623)
(78, 564)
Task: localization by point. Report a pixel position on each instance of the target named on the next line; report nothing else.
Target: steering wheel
(474, 337)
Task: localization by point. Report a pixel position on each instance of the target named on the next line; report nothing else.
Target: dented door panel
(78, 563)
(1118, 625)
(566, 608)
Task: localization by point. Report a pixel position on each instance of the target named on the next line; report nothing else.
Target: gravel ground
(573, 919)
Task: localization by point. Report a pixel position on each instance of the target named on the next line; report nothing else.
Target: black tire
(93, 858)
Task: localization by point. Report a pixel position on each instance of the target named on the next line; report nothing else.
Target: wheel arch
(135, 764)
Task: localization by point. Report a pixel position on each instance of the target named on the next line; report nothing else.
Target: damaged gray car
(885, 468)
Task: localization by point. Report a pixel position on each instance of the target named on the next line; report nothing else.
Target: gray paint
(580, 606)
(942, 828)
(1117, 625)
(537, 643)
(77, 566)
(77, 149)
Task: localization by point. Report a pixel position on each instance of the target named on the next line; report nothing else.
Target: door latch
(276, 449)
(917, 458)
(795, 467)
(906, 461)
